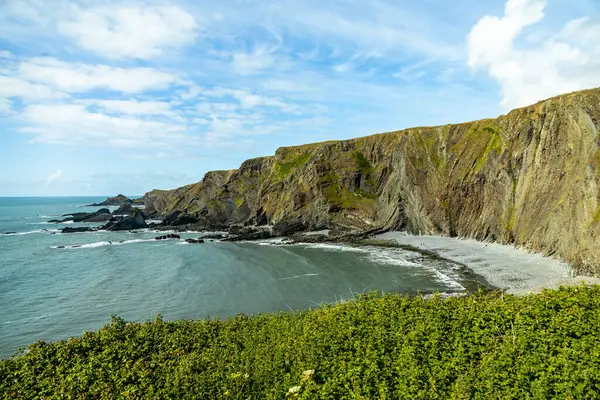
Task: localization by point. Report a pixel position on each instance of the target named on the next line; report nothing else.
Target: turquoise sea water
(49, 293)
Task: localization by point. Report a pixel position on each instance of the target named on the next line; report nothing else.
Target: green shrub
(380, 346)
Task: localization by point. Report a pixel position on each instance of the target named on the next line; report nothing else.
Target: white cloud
(252, 63)
(76, 77)
(15, 87)
(134, 107)
(129, 31)
(250, 100)
(191, 93)
(6, 54)
(53, 177)
(544, 68)
(73, 124)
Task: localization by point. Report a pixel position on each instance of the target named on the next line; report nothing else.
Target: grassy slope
(483, 346)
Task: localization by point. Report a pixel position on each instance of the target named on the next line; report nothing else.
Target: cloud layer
(537, 67)
(203, 84)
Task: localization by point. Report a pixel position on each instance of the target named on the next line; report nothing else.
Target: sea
(54, 286)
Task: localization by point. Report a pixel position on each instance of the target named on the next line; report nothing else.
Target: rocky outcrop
(124, 209)
(133, 221)
(102, 215)
(69, 229)
(529, 178)
(113, 201)
(194, 241)
(167, 237)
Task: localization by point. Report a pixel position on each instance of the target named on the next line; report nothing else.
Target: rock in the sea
(194, 241)
(167, 237)
(69, 229)
(134, 221)
(113, 201)
(258, 235)
(214, 236)
(9, 233)
(102, 215)
(124, 209)
(98, 218)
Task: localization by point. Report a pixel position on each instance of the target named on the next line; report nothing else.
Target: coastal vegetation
(377, 346)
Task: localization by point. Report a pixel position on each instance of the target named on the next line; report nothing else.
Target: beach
(511, 269)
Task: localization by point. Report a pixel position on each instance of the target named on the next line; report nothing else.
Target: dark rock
(288, 226)
(134, 221)
(169, 219)
(53, 221)
(194, 241)
(139, 201)
(60, 247)
(241, 230)
(213, 236)
(167, 237)
(198, 226)
(259, 235)
(98, 218)
(102, 215)
(69, 229)
(113, 201)
(10, 233)
(184, 219)
(124, 209)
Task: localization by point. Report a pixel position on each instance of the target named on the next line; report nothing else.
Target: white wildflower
(294, 389)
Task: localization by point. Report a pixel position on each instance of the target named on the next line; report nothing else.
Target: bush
(380, 346)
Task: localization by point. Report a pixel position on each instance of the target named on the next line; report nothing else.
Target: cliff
(528, 178)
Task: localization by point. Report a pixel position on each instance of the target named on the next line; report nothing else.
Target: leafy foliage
(380, 346)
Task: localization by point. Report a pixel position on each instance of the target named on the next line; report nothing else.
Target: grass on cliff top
(481, 346)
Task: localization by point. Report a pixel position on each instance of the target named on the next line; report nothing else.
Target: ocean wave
(102, 244)
(395, 257)
(334, 247)
(46, 231)
(296, 277)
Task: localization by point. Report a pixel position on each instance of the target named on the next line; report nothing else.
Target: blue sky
(102, 97)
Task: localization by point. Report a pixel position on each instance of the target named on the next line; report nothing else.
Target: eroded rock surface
(529, 178)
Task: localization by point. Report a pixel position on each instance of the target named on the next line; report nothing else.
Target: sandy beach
(512, 269)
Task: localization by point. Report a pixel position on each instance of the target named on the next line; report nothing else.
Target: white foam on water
(270, 242)
(102, 244)
(399, 258)
(334, 247)
(46, 231)
(296, 277)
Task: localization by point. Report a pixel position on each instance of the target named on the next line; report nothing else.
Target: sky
(104, 97)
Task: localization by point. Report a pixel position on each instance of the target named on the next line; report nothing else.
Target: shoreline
(513, 270)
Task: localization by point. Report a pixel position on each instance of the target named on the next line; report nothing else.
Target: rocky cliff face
(529, 178)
